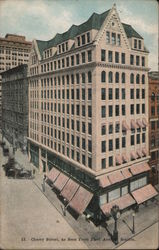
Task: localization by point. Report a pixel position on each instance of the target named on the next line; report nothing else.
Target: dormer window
(66, 46)
(63, 47)
(108, 37)
(83, 39)
(50, 52)
(139, 44)
(113, 38)
(88, 37)
(78, 41)
(135, 43)
(59, 48)
(47, 53)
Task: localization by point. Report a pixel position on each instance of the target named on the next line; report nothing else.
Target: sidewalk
(97, 237)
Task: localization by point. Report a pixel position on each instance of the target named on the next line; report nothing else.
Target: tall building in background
(154, 125)
(15, 106)
(88, 114)
(14, 51)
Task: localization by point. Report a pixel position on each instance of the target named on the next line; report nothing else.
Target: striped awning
(69, 189)
(139, 153)
(133, 124)
(126, 173)
(104, 181)
(139, 122)
(123, 202)
(125, 157)
(118, 159)
(145, 193)
(133, 155)
(80, 200)
(61, 181)
(53, 174)
(140, 168)
(115, 177)
(144, 151)
(144, 121)
(125, 125)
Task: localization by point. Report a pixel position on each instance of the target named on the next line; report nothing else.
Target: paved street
(28, 219)
(30, 214)
(148, 239)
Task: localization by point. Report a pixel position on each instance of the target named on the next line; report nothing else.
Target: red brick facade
(154, 125)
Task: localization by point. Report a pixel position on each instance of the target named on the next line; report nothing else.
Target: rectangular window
(103, 94)
(117, 146)
(89, 111)
(123, 142)
(123, 110)
(110, 145)
(110, 161)
(88, 37)
(137, 93)
(72, 60)
(110, 93)
(77, 59)
(137, 108)
(110, 110)
(103, 58)
(116, 57)
(110, 128)
(143, 61)
(78, 41)
(132, 140)
(137, 60)
(89, 55)
(132, 109)
(118, 40)
(103, 111)
(89, 128)
(113, 38)
(108, 37)
(83, 39)
(83, 57)
(117, 110)
(117, 94)
(89, 94)
(124, 190)
(103, 163)
(103, 146)
(103, 130)
(132, 59)
(135, 43)
(114, 194)
(123, 58)
(123, 94)
(110, 56)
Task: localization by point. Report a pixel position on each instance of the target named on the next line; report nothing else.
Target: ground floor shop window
(103, 199)
(114, 194)
(124, 190)
(138, 183)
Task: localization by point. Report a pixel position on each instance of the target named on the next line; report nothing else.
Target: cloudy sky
(42, 19)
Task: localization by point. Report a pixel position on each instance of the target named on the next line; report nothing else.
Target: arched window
(110, 77)
(117, 77)
(103, 76)
(153, 96)
(132, 78)
(89, 76)
(123, 78)
(143, 79)
(137, 78)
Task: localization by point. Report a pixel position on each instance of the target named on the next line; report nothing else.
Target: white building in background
(88, 114)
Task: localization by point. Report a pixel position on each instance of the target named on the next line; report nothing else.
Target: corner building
(88, 114)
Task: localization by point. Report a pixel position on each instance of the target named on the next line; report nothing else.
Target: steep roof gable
(94, 22)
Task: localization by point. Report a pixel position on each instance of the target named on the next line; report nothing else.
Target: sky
(42, 19)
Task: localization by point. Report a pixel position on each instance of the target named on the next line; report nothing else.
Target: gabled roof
(94, 22)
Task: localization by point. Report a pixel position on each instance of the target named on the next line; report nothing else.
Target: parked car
(14, 170)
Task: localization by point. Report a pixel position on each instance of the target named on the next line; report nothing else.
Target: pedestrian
(43, 185)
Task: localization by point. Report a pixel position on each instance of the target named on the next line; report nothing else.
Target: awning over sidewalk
(53, 174)
(81, 200)
(145, 193)
(126, 173)
(125, 157)
(104, 181)
(115, 177)
(69, 189)
(123, 202)
(137, 169)
(139, 122)
(133, 124)
(61, 181)
(139, 153)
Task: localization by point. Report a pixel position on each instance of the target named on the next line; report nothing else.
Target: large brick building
(15, 106)
(88, 114)
(14, 51)
(154, 125)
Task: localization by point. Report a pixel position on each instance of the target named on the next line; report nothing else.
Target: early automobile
(14, 170)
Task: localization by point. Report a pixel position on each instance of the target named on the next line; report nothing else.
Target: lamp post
(133, 229)
(115, 212)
